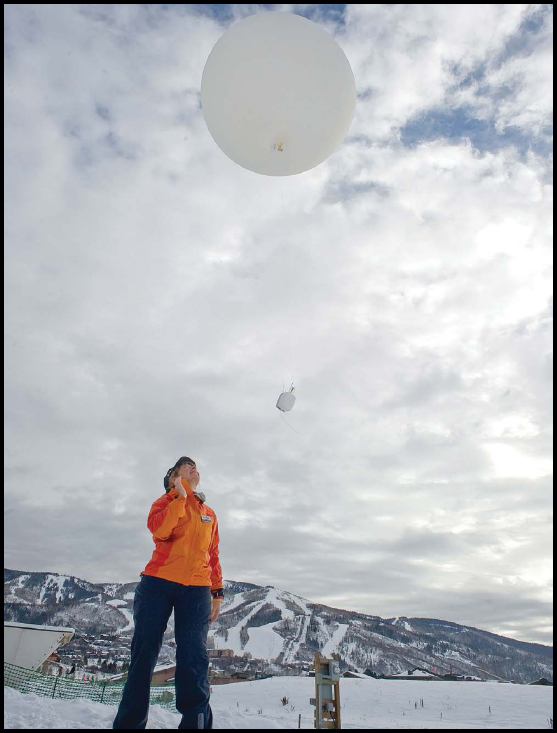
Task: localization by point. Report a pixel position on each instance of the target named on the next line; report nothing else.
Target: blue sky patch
(526, 39)
(459, 124)
(224, 13)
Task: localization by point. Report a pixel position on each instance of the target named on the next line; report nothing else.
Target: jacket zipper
(194, 533)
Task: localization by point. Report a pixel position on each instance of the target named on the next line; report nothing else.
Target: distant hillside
(285, 629)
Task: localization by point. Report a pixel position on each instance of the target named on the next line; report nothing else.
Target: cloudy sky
(159, 298)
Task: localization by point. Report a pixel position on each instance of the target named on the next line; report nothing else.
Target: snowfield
(366, 703)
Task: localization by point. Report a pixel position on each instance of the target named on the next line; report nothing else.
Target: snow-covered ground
(366, 703)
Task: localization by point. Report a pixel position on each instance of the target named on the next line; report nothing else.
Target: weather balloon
(277, 93)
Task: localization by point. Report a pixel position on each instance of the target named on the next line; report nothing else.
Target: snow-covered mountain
(280, 627)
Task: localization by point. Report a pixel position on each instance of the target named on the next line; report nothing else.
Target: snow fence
(110, 693)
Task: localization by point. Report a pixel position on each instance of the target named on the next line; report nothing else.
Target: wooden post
(327, 692)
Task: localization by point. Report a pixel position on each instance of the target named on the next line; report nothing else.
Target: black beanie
(179, 462)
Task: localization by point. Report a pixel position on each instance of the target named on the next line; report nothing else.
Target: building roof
(41, 628)
(542, 681)
(416, 672)
(162, 667)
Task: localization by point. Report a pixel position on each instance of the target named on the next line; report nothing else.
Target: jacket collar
(199, 495)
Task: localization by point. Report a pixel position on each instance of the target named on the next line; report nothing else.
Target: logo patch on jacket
(205, 518)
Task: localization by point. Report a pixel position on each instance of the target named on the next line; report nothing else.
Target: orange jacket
(186, 537)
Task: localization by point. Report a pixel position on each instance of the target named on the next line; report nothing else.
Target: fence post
(104, 688)
(327, 692)
(55, 683)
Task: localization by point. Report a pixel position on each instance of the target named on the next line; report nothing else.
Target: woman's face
(190, 473)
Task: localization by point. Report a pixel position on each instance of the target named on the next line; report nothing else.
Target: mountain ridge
(285, 630)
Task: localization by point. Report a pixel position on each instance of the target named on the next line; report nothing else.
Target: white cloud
(507, 461)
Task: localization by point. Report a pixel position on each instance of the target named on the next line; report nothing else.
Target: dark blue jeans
(153, 603)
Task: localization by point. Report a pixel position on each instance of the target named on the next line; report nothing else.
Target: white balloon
(278, 94)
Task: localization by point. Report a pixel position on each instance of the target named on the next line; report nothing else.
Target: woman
(183, 575)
